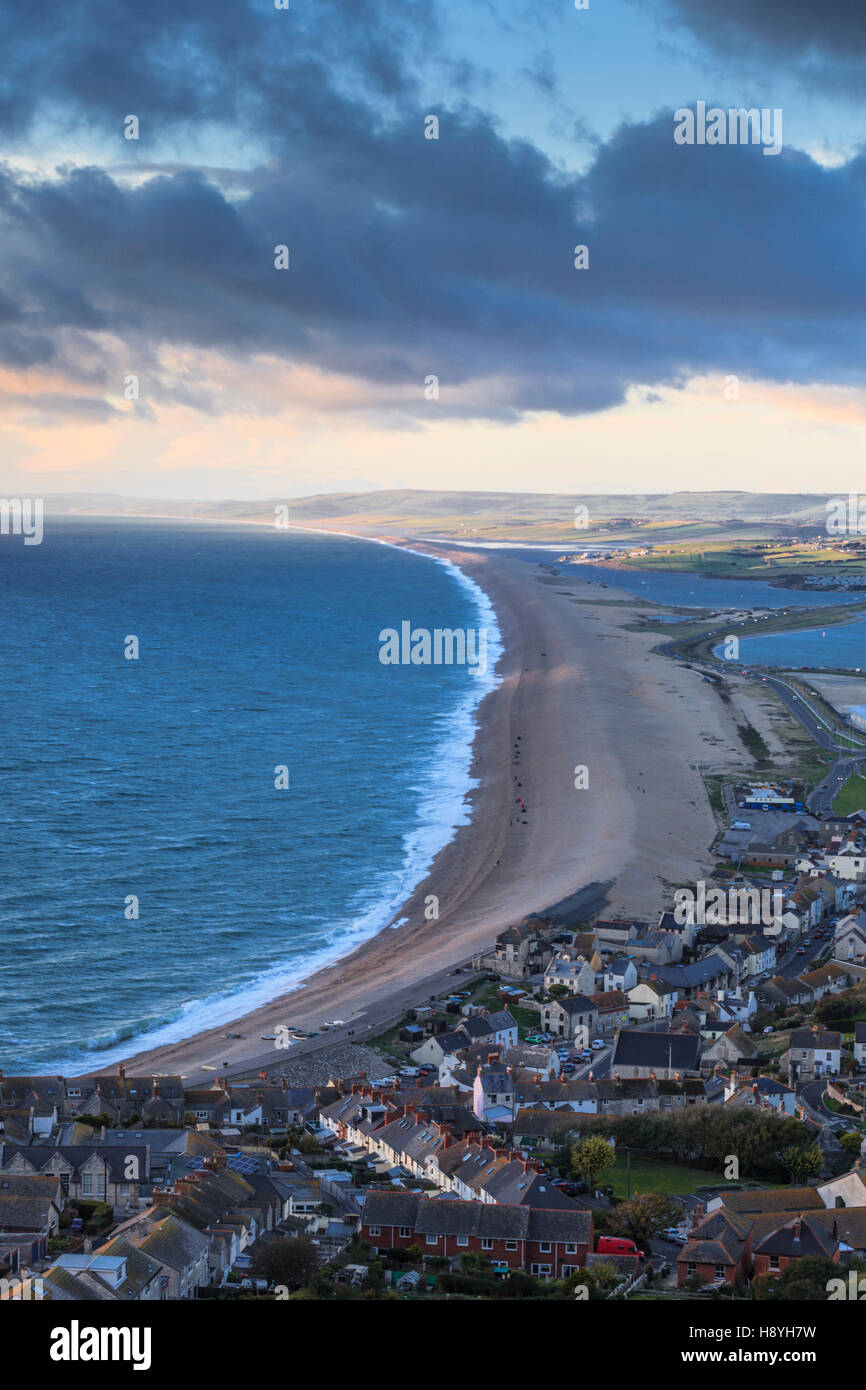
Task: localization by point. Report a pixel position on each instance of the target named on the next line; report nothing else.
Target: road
(368, 1024)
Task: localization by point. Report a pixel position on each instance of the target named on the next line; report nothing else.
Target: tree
(851, 1141)
(805, 1280)
(802, 1162)
(590, 1157)
(640, 1218)
(292, 1262)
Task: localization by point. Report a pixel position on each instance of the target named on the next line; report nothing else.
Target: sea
(211, 784)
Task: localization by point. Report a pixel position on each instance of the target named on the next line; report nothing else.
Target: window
(511, 1245)
(405, 1231)
(542, 1271)
(462, 1240)
(486, 1243)
(544, 1247)
(86, 1184)
(691, 1269)
(432, 1240)
(571, 1247)
(720, 1272)
(774, 1261)
(375, 1230)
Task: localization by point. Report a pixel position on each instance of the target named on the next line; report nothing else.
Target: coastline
(573, 689)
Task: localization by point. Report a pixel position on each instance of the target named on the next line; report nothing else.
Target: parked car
(618, 1245)
(674, 1234)
(598, 1043)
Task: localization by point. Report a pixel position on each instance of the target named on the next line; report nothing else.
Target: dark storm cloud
(455, 258)
(408, 256)
(171, 61)
(780, 28)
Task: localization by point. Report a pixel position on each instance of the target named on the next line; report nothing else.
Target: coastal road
(820, 800)
(369, 1023)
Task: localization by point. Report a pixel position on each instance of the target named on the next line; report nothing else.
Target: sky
(431, 328)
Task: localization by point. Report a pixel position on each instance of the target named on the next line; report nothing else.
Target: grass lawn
(653, 1175)
(852, 797)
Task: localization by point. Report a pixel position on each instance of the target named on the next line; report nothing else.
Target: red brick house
(799, 1236)
(720, 1248)
(547, 1243)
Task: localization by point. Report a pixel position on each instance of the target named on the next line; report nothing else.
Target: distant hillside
(497, 515)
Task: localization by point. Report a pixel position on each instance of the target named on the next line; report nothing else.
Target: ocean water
(155, 778)
(840, 645)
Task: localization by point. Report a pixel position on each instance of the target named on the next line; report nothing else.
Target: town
(606, 1109)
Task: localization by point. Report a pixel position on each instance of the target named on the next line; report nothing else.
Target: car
(800, 951)
(674, 1234)
(598, 1044)
(618, 1245)
(534, 1038)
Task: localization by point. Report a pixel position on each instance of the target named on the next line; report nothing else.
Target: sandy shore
(576, 690)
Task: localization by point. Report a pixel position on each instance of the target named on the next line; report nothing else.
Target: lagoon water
(841, 645)
(154, 778)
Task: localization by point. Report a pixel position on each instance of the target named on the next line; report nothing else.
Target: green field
(852, 797)
(652, 1175)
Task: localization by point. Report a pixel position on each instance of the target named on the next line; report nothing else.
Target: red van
(617, 1245)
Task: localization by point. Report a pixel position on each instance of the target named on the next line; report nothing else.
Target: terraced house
(545, 1243)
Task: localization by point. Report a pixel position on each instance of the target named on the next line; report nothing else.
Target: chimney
(263, 1076)
(798, 1227)
(284, 1085)
(156, 1088)
(121, 1071)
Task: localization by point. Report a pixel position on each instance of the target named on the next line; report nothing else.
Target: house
(181, 1252)
(848, 1190)
(619, 974)
(573, 973)
(31, 1105)
(545, 1243)
(125, 1273)
(521, 952)
(849, 938)
(640, 1054)
(719, 1249)
(651, 999)
(152, 1099)
(30, 1210)
(733, 1046)
(88, 1172)
(496, 1028)
(773, 1253)
(860, 1045)
(714, 971)
(813, 1052)
(573, 1018)
(613, 1011)
(657, 947)
(762, 1091)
